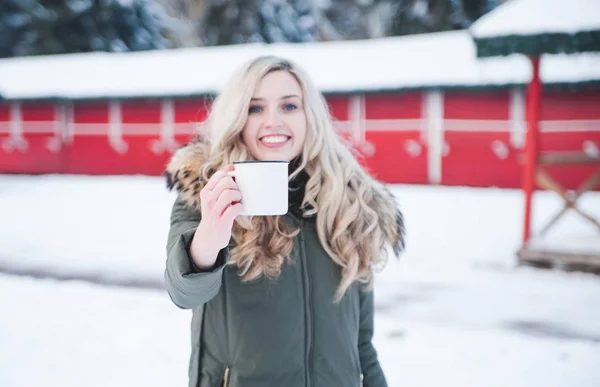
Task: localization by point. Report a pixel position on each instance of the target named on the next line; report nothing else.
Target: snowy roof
(419, 61)
(539, 26)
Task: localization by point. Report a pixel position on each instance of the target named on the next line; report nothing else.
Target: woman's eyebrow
(258, 99)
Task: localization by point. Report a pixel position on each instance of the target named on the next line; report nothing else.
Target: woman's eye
(289, 106)
(254, 109)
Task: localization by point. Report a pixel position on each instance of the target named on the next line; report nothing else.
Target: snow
(444, 59)
(532, 17)
(588, 243)
(92, 236)
(77, 334)
(454, 311)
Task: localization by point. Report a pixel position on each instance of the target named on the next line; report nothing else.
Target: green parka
(284, 332)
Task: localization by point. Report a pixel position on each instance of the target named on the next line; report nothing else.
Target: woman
(278, 300)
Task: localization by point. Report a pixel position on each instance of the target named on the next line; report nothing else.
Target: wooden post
(534, 92)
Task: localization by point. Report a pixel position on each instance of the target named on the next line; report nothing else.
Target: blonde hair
(344, 198)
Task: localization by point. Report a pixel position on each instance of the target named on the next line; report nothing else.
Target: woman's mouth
(275, 141)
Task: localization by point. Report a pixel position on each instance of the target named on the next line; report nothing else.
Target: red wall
(89, 151)
(389, 157)
(9, 159)
(142, 132)
(469, 157)
(39, 150)
(188, 113)
(140, 148)
(395, 149)
(566, 136)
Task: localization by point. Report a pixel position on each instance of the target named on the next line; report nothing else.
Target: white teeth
(274, 139)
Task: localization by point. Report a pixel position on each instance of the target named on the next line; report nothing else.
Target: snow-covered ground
(454, 311)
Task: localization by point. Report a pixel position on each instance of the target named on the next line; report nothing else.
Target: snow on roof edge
(436, 60)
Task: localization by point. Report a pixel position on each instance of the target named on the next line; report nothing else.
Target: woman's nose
(272, 118)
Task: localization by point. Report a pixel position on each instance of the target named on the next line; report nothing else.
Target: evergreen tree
(422, 16)
(248, 21)
(32, 27)
(29, 27)
(189, 14)
(287, 21)
(354, 19)
(474, 9)
(231, 22)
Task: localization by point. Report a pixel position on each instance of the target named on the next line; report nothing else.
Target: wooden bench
(545, 181)
(534, 254)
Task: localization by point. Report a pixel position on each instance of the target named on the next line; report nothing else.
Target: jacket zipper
(307, 305)
(226, 377)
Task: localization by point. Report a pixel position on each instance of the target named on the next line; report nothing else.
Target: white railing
(394, 125)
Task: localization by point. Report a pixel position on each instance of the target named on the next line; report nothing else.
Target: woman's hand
(220, 204)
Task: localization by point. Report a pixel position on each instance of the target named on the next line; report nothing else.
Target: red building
(421, 109)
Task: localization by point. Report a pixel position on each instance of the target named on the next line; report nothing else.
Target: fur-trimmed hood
(183, 176)
(183, 172)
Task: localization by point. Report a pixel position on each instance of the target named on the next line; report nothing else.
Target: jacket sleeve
(371, 369)
(188, 286)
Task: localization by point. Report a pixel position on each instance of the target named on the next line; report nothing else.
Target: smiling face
(276, 125)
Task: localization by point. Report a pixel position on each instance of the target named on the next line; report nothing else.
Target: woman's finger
(225, 183)
(215, 179)
(231, 212)
(225, 199)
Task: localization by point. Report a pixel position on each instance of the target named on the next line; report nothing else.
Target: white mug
(263, 185)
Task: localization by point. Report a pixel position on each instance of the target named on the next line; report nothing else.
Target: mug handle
(231, 173)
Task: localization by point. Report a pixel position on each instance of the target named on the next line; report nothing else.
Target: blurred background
(481, 116)
(31, 27)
